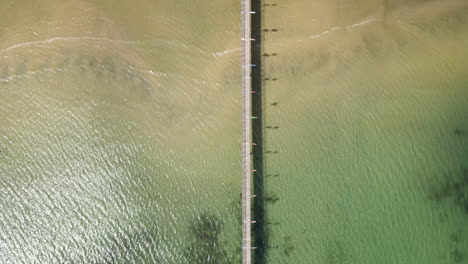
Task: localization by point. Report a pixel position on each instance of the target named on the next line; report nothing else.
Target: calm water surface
(120, 131)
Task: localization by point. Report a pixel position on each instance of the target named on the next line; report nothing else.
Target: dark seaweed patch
(456, 243)
(288, 246)
(453, 192)
(460, 132)
(79, 63)
(455, 238)
(457, 256)
(288, 250)
(113, 69)
(206, 247)
(93, 65)
(272, 198)
(109, 67)
(455, 189)
(63, 65)
(335, 253)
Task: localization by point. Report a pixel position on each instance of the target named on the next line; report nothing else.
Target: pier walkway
(246, 131)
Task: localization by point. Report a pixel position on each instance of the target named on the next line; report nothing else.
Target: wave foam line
(221, 53)
(56, 39)
(333, 29)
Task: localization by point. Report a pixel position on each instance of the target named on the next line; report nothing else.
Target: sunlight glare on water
(113, 142)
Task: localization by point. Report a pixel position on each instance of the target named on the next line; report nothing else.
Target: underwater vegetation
(455, 190)
(460, 132)
(457, 254)
(109, 67)
(206, 247)
(335, 253)
(272, 199)
(288, 247)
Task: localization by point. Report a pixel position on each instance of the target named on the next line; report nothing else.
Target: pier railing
(246, 131)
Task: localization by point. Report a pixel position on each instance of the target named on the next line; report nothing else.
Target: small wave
(221, 53)
(333, 29)
(155, 73)
(100, 68)
(57, 39)
(362, 23)
(10, 78)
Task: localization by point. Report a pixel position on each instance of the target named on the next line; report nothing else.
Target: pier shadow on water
(258, 229)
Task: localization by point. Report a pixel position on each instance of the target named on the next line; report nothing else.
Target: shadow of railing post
(257, 134)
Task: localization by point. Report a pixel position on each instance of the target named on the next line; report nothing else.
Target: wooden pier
(246, 132)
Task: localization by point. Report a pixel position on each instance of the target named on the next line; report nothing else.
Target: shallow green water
(371, 145)
(119, 131)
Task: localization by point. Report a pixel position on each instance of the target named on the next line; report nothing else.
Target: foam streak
(58, 39)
